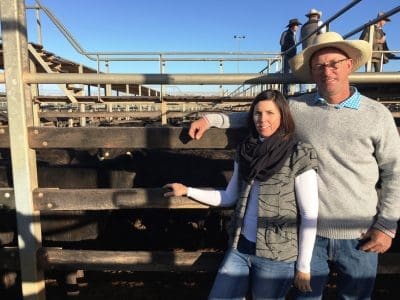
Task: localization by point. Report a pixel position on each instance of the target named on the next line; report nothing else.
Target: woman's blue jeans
(356, 269)
(242, 272)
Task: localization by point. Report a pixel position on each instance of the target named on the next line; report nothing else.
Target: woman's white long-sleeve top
(307, 201)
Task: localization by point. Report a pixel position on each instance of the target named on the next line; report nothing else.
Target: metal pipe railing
(385, 15)
(192, 79)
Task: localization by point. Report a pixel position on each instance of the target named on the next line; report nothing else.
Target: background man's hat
(358, 50)
(386, 18)
(313, 11)
(293, 22)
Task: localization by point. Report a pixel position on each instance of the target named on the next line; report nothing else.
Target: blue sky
(207, 25)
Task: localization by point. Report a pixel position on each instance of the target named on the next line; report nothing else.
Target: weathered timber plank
(127, 137)
(100, 199)
(54, 258)
(115, 114)
(95, 99)
(152, 99)
(396, 114)
(7, 200)
(131, 137)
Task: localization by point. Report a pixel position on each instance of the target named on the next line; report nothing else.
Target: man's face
(330, 69)
(381, 23)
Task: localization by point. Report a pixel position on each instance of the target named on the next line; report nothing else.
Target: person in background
(378, 42)
(273, 183)
(287, 42)
(358, 150)
(314, 21)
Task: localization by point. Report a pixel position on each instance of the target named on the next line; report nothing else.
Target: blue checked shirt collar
(352, 102)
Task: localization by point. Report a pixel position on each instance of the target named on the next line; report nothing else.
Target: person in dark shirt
(287, 42)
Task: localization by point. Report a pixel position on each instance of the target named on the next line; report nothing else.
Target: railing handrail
(377, 19)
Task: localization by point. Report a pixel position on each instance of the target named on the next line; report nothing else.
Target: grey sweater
(355, 150)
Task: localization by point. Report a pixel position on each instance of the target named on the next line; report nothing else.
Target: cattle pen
(81, 173)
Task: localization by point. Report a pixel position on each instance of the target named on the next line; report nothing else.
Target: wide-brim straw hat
(359, 51)
(313, 11)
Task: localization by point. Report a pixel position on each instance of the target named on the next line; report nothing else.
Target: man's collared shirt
(352, 102)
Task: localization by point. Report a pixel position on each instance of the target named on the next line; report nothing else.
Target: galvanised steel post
(23, 159)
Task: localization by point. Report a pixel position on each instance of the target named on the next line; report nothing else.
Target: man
(378, 42)
(314, 21)
(287, 42)
(358, 146)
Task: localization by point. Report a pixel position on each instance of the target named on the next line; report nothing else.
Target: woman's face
(266, 117)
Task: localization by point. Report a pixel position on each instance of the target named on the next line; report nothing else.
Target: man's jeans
(241, 269)
(356, 269)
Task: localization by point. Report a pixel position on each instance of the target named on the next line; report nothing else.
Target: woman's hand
(302, 281)
(175, 189)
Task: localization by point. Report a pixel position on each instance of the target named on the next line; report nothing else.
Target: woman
(274, 190)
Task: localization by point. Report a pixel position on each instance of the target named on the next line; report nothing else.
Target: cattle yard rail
(24, 136)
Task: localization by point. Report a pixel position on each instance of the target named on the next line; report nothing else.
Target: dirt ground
(146, 286)
(110, 285)
(113, 285)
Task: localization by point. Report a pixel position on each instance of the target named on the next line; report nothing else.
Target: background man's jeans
(356, 269)
(267, 279)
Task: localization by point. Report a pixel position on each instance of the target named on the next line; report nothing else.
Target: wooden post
(371, 41)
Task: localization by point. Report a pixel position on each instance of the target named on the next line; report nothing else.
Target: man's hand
(175, 189)
(302, 281)
(377, 241)
(198, 127)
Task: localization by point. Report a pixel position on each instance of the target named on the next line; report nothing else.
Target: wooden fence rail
(154, 261)
(125, 137)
